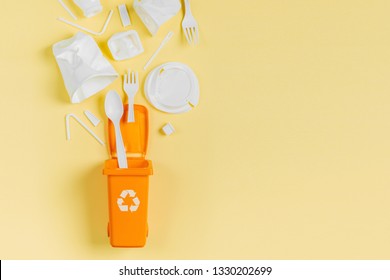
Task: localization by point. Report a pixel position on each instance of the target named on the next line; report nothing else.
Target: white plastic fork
(189, 25)
(130, 86)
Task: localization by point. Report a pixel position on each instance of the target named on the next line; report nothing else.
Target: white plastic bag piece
(125, 45)
(89, 7)
(92, 118)
(124, 14)
(154, 13)
(168, 129)
(84, 68)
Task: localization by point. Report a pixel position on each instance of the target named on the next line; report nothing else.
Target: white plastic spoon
(114, 111)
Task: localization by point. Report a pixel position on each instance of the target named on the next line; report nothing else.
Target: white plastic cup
(84, 68)
(89, 7)
(154, 13)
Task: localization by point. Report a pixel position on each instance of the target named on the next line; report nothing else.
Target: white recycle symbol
(124, 207)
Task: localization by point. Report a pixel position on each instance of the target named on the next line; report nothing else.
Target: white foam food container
(125, 45)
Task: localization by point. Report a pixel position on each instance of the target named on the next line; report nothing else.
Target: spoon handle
(120, 147)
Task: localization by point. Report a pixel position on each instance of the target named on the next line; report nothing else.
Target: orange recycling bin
(128, 188)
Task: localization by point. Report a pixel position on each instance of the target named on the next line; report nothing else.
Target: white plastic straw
(166, 39)
(92, 118)
(87, 30)
(67, 9)
(68, 116)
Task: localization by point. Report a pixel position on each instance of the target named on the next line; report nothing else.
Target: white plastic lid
(172, 88)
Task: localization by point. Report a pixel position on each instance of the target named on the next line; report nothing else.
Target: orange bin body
(128, 189)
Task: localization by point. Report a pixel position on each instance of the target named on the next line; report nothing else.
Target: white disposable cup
(154, 13)
(84, 68)
(89, 7)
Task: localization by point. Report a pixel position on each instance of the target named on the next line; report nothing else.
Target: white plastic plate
(172, 88)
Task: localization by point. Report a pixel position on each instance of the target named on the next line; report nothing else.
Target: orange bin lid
(135, 135)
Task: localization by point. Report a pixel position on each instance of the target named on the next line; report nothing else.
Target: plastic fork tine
(189, 25)
(193, 35)
(190, 35)
(196, 35)
(130, 86)
(186, 34)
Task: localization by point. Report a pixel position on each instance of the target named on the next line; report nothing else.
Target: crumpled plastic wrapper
(84, 69)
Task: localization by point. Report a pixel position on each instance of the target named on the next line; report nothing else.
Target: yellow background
(287, 155)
